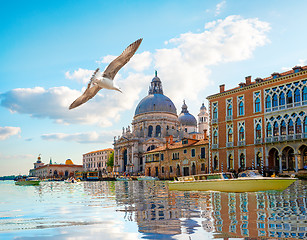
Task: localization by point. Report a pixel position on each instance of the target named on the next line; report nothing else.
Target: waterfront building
(54, 170)
(97, 160)
(260, 124)
(155, 118)
(181, 158)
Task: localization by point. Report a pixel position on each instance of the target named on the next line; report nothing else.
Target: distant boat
(71, 180)
(122, 178)
(92, 176)
(248, 181)
(30, 181)
(147, 178)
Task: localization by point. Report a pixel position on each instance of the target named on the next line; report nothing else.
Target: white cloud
(186, 66)
(88, 137)
(6, 132)
(80, 75)
(53, 103)
(219, 7)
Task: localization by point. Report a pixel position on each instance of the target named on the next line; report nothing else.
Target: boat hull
(27, 183)
(233, 185)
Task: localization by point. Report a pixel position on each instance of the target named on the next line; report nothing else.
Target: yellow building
(54, 170)
(182, 158)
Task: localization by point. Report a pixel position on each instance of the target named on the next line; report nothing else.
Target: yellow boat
(248, 181)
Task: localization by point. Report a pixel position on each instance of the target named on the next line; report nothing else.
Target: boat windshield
(250, 173)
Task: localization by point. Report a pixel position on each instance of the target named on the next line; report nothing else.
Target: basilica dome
(155, 101)
(185, 118)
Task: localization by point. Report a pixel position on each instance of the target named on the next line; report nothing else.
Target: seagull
(100, 80)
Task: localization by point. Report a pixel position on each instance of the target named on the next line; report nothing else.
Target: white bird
(105, 80)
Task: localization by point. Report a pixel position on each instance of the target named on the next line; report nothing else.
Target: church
(155, 120)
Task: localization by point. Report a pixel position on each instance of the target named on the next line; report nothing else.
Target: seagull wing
(121, 60)
(87, 95)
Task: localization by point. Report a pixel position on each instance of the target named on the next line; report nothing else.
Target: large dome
(185, 118)
(155, 101)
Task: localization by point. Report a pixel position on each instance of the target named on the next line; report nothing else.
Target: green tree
(110, 162)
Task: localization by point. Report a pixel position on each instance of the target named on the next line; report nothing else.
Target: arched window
(193, 169)
(297, 95)
(242, 160)
(215, 137)
(275, 129)
(241, 134)
(258, 159)
(283, 129)
(215, 163)
(290, 127)
(178, 170)
(230, 136)
(215, 113)
(257, 105)
(274, 100)
(66, 173)
(269, 130)
(150, 129)
(152, 147)
(268, 102)
(304, 94)
(230, 161)
(282, 99)
(229, 110)
(289, 97)
(55, 173)
(298, 126)
(158, 131)
(241, 108)
(258, 131)
(305, 125)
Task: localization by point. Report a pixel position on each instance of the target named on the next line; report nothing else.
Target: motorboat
(123, 178)
(29, 181)
(248, 181)
(147, 178)
(71, 180)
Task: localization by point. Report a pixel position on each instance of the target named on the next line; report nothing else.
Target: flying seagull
(105, 80)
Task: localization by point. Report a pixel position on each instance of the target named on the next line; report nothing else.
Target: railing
(274, 109)
(229, 144)
(229, 118)
(215, 121)
(282, 138)
(304, 135)
(290, 137)
(297, 104)
(268, 110)
(268, 139)
(298, 136)
(275, 139)
(241, 143)
(215, 146)
(289, 105)
(258, 141)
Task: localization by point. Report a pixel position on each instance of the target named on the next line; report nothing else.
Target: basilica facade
(154, 120)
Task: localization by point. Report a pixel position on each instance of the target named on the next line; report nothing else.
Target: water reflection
(131, 210)
(238, 215)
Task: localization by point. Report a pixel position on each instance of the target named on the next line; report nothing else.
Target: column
(296, 162)
(132, 158)
(280, 163)
(117, 168)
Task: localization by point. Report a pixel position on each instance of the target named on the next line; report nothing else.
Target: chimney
(171, 139)
(222, 88)
(248, 80)
(194, 136)
(166, 142)
(205, 134)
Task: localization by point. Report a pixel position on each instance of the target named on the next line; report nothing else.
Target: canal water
(148, 210)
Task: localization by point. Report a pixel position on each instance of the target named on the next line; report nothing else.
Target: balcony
(304, 135)
(241, 143)
(229, 144)
(282, 138)
(229, 118)
(268, 139)
(290, 137)
(258, 141)
(215, 121)
(298, 136)
(275, 139)
(215, 146)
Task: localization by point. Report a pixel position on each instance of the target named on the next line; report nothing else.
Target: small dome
(69, 162)
(185, 118)
(203, 107)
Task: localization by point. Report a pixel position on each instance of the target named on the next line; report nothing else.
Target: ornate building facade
(155, 119)
(261, 124)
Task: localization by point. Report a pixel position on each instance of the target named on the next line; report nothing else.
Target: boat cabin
(209, 176)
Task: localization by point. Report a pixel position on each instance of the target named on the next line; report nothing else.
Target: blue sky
(49, 49)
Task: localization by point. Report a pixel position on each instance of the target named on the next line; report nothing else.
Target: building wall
(250, 147)
(55, 171)
(96, 160)
(177, 158)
